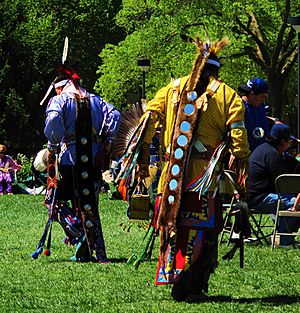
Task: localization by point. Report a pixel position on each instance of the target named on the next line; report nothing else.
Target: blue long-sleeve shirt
(61, 122)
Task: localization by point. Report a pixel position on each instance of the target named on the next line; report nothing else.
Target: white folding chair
(285, 183)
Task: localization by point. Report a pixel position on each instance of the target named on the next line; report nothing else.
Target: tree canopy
(107, 37)
(31, 42)
(263, 43)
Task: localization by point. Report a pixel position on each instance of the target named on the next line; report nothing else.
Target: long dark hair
(208, 72)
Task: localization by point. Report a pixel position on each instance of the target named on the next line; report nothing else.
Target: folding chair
(285, 183)
(228, 224)
(259, 222)
(227, 189)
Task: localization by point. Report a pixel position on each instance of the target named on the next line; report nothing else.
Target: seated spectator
(267, 162)
(296, 205)
(254, 94)
(7, 168)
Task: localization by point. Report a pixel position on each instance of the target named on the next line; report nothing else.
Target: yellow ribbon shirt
(225, 113)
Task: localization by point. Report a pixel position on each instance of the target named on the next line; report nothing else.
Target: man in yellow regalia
(202, 119)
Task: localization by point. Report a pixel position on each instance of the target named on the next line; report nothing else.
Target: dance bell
(84, 175)
(83, 141)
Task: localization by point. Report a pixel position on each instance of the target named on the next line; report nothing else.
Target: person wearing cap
(80, 126)
(197, 112)
(266, 163)
(7, 167)
(254, 94)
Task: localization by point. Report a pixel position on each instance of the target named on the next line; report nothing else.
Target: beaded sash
(185, 122)
(88, 203)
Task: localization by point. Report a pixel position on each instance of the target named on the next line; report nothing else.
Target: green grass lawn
(269, 282)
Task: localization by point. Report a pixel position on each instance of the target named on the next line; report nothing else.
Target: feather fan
(129, 122)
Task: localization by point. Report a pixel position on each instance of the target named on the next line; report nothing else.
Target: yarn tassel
(202, 184)
(47, 228)
(146, 250)
(36, 254)
(39, 250)
(47, 252)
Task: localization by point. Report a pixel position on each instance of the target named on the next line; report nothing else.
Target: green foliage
(155, 36)
(153, 29)
(269, 281)
(14, 124)
(33, 31)
(31, 42)
(25, 171)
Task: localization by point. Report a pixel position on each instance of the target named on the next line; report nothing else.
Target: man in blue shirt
(254, 94)
(80, 126)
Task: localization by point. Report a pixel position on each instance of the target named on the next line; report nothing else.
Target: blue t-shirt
(256, 124)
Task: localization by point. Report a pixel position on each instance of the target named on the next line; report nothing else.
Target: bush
(25, 171)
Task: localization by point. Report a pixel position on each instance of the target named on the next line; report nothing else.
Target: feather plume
(217, 46)
(63, 60)
(205, 49)
(129, 122)
(65, 51)
(47, 94)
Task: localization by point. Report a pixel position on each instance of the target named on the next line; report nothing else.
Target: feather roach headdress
(207, 54)
(64, 73)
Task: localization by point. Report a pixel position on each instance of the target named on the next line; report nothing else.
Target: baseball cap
(256, 85)
(281, 131)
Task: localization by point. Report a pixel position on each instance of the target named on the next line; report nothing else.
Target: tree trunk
(276, 100)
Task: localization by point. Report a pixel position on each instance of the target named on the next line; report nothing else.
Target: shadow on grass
(275, 300)
(112, 260)
(118, 260)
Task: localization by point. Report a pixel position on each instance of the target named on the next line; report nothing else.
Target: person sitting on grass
(7, 166)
